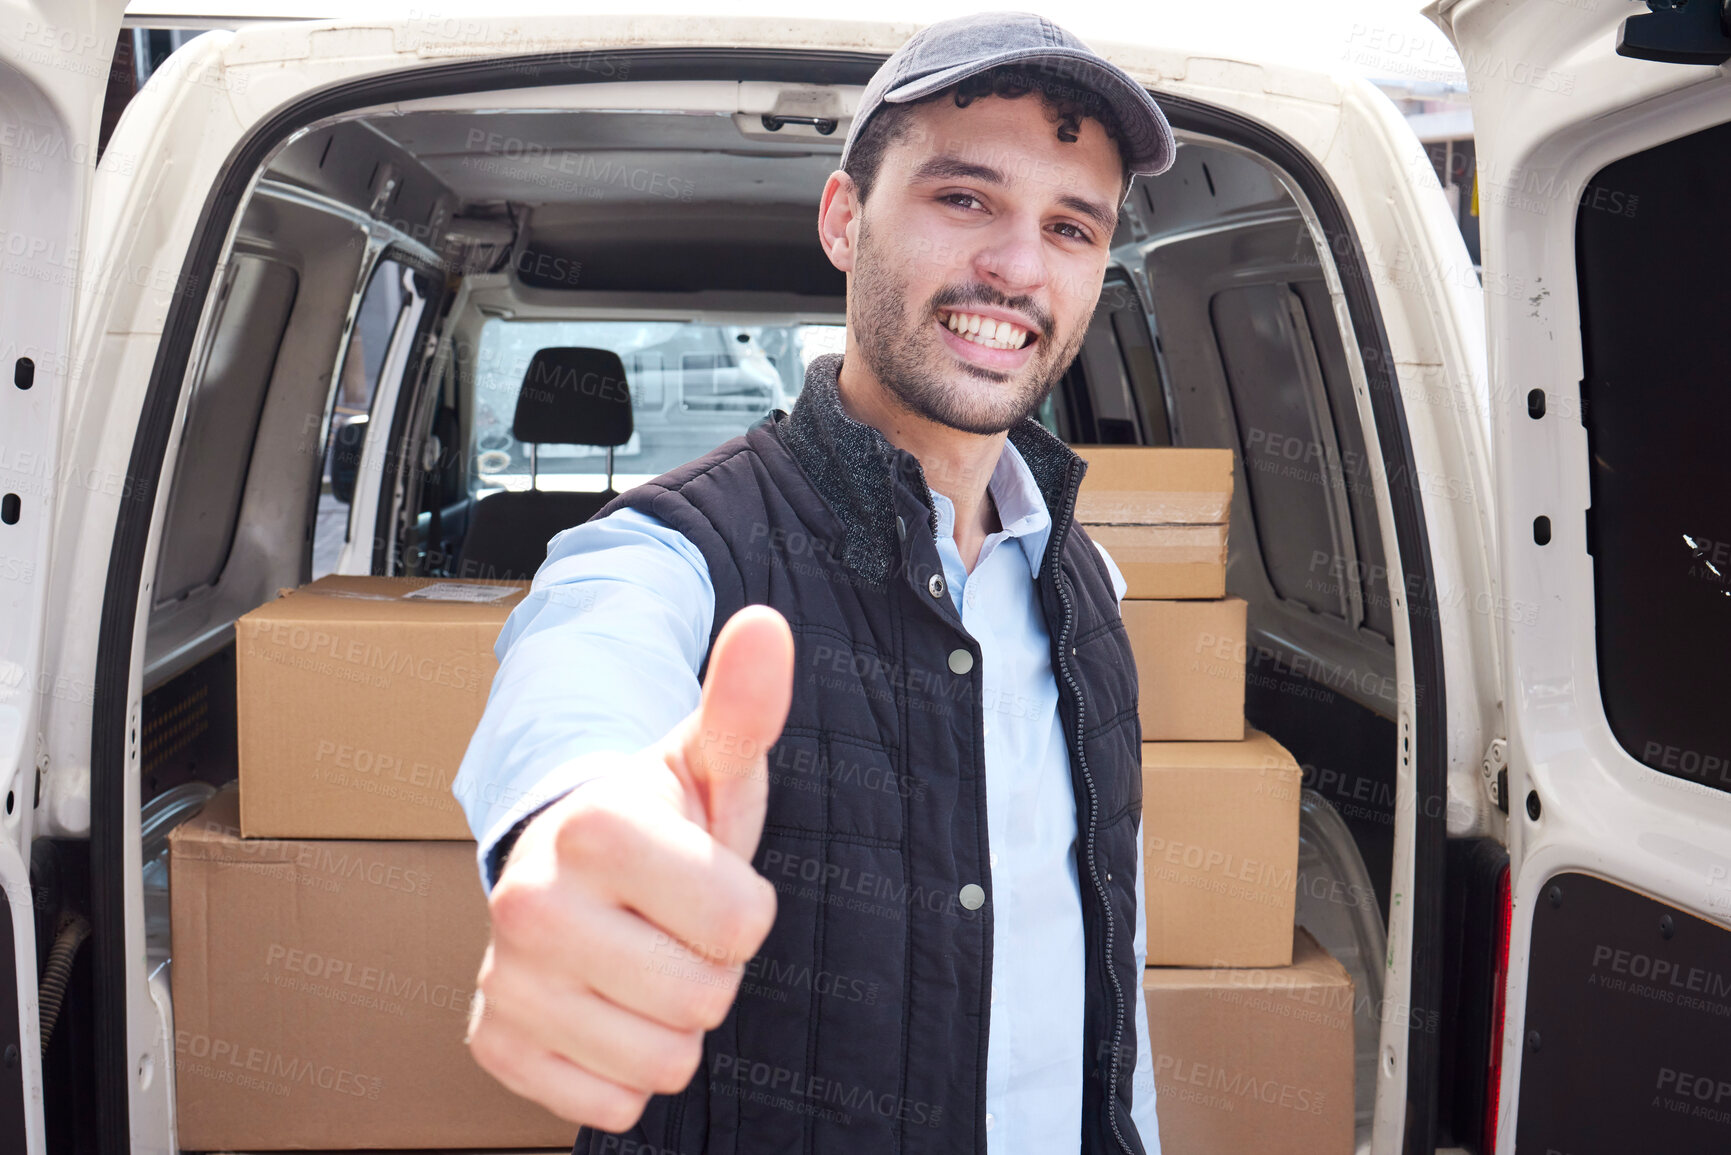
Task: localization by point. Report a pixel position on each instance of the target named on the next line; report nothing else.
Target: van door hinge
(1678, 32)
(1495, 769)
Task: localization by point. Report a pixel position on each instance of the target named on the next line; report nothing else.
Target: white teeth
(986, 331)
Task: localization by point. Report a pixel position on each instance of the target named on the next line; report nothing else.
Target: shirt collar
(1021, 508)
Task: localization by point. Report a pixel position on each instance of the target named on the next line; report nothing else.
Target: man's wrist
(502, 848)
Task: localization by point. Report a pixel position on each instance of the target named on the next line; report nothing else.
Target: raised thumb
(725, 750)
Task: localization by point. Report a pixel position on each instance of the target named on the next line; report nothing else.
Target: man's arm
(622, 921)
(600, 658)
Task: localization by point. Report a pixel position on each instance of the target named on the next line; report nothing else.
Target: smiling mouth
(985, 331)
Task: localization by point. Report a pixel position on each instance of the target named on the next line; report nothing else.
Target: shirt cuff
(492, 850)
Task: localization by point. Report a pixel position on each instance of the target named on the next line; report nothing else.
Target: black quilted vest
(861, 1025)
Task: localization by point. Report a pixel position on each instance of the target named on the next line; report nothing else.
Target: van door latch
(1495, 769)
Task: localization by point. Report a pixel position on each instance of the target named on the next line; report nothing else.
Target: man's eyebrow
(954, 168)
(1108, 221)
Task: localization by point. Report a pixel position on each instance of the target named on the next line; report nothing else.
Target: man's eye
(1076, 232)
(957, 198)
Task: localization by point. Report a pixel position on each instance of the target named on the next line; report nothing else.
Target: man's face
(981, 218)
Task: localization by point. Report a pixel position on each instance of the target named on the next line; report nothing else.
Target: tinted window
(693, 386)
(376, 322)
(1287, 443)
(1652, 257)
(1110, 394)
(1368, 568)
(221, 421)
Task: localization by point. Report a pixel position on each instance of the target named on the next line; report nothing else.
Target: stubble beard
(905, 354)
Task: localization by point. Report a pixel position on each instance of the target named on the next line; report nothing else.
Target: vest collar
(854, 468)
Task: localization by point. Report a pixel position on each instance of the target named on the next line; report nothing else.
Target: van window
(1111, 394)
(376, 320)
(693, 386)
(221, 422)
(1305, 468)
(1651, 259)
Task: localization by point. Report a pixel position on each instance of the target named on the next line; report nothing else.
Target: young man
(875, 885)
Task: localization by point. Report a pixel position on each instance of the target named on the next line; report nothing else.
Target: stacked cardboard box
(356, 699)
(1162, 515)
(1251, 1029)
(1220, 851)
(328, 918)
(1254, 1059)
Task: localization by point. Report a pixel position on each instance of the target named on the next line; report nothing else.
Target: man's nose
(1013, 258)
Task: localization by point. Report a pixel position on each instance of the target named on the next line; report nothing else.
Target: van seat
(570, 396)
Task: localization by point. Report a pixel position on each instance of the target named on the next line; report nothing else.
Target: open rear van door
(54, 61)
(1604, 152)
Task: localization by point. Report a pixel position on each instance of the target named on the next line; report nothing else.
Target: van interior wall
(243, 494)
(256, 499)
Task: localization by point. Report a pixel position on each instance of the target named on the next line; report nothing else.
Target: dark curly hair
(1067, 104)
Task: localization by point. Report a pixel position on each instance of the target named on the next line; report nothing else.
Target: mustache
(957, 296)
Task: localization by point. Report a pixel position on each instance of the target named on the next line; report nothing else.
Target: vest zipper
(1061, 531)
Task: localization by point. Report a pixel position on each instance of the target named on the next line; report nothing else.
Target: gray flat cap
(939, 55)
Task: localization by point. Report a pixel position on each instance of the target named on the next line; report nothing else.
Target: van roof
(1362, 37)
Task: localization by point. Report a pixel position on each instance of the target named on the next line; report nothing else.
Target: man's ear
(838, 218)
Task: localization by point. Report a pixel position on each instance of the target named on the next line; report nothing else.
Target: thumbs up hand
(625, 914)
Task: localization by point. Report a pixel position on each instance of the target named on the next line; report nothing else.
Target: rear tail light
(1494, 1067)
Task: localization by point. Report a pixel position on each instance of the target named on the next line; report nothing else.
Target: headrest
(574, 396)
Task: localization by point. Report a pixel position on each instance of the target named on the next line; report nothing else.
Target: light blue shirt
(602, 656)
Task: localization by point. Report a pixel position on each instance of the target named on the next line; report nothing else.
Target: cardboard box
(356, 698)
(1162, 513)
(1189, 668)
(1254, 1060)
(1220, 851)
(321, 993)
(1167, 561)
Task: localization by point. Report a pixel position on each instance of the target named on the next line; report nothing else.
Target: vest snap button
(961, 661)
(972, 896)
(936, 585)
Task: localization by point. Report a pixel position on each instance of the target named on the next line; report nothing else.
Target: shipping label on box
(1189, 668)
(321, 994)
(1256, 1059)
(1220, 851)
(356, 698)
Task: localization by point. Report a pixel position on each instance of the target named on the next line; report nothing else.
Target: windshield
(693, 386)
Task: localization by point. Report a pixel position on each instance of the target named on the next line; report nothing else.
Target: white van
(272, 328)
